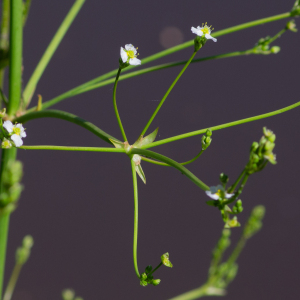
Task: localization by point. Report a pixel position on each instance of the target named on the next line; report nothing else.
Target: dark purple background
(79, 206)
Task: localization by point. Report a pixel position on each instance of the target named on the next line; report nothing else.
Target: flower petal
(17, 140)
(124, 55)
(228, 196)
(197, 30)
(134, 61)
(209, 37)
(129, 47)
(8, 125)
(211, 195)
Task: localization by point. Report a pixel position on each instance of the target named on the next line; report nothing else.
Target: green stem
(231, 189)
(86, 88)
(172, 163)
(67, 117)
(159, 265)
(15, 67)
(169, 51)
(239, 191)
(116, 108)
(237, 251)
(136, 216)
(197, 132)
(35, 77)
(65, 148)
(167, 93)
(12, 282)
(4, 40)
(4, 225)
(166, 165)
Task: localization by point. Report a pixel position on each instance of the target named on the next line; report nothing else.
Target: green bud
(259, 212)
(239, 203)
(68, 294)
(143, 283)
(254, 222)
(267, 132)
(2, 112)
(23, 253)
(272, 138)
(232, 223)
(232, 272)
(143, 276)
(223, 178)
(28, 241)
(275, 49)
(199, 42)
(208, 132)
(155, 282)
(269, 146)
(122, 64)
(291, 25)
(165, 260)
(255, 158)
(148, 269)
(226, 233)
(254, 146)
(265, 47)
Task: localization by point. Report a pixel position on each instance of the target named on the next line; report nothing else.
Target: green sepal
(118, 144)
(165, 260)
(140, 172)
(142, 141)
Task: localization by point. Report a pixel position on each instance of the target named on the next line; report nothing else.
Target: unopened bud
(165, 260)
(291, 25)
(208, 132)
(224, 178)
(275, 49)
(148, 269)
(156, 281)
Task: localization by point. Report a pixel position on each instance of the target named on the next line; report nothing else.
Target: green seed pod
(275, 49)
(156, 282)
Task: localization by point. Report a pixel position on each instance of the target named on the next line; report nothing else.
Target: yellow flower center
(130, 53)
(17, 130)
(218, 193)
(205, 30)
(6, 144)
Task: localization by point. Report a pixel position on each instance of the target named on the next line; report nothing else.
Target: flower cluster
(12, 134)
(218, 193)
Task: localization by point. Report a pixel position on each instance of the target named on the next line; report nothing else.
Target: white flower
(6, 144)
(204, 30)
(17, 132)
(217, 192)
(129, 55)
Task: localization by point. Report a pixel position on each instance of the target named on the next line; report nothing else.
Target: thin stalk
(58, 114)
(193, 294)
(4, 226)
(15, 67)
(166, 165)
(239, 191)
(237, 251)
(136, 216)
(12, 282)
(231, 189)
(84, 89)
(4, 39)
(65, 148)
(167, 93)
(172, 163)
(116, 108)
(197, 132)
(39, 70)
(159, 265)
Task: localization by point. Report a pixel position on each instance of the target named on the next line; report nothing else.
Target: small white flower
(129, 55)
(6, 144)
(217, 192)
(204, 30)
(16, 131)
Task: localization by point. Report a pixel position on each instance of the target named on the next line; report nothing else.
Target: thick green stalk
(65, 148)
(193, 294)
(172, 163)
(116, 108)
(35, 77)
(167, 93)
(136, 217)
(85, 86)
(67, 117)
(15, 67)
(197, 132)
(78, 90)
(12, 282)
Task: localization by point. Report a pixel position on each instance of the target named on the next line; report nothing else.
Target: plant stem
(159, 265)
(231, 189)
(86, 88)
(67, 117)
(65, 148)
(237, 250)
(4, 39)
(167, 93)
(116, 108)
(166, 165)
(15, 67)
(40, 68)
(172, 163)
(136, 216)
(12, 282)
(197, 132)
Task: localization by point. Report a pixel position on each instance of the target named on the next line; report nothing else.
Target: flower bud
(165, 260)
(156, 282)
(148, 269)
(223, 178)
(275, 49)
(68, 294)
(291, 25)
(208, 132)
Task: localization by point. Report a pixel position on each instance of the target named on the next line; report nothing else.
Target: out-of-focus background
(79, 206)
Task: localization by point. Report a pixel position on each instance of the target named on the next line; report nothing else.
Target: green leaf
(142, 141)
(118, 144)
(140, 172)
